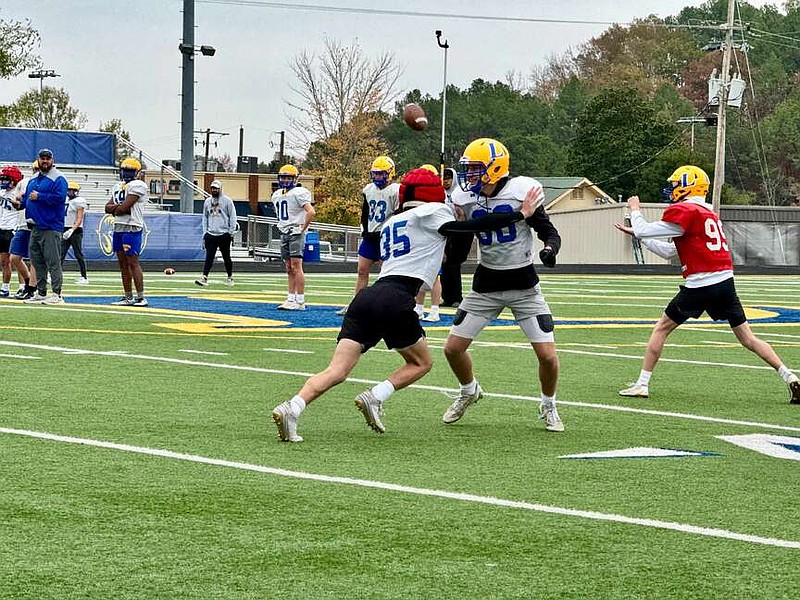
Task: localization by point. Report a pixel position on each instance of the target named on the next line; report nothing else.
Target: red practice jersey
(702, 248)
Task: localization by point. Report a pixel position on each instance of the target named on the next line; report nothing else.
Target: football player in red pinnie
(694, 233)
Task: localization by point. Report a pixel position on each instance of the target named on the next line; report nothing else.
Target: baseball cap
(216, 184)
(46, 153)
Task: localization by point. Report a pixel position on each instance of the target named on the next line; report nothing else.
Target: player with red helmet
(411, 247)
(696, 235)
(9, 178)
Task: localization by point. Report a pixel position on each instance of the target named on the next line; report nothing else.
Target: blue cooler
(311, 250)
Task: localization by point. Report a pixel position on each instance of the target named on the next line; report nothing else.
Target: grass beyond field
(138, 458)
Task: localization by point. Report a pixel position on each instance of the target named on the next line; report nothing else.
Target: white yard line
(20, 356)
(204, 352)
(444, 390)
(404, 489)
(287, 350)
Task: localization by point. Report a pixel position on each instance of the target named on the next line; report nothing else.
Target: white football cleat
(202, 281)
(37, 298)
(82, 281)
(636, 390)
(431, 317)
(229, 282)
(124, 301)
(287, 306)
(549, 413)
(286, 422)
(342, 311)
(460, 405)
(53, 299)
(372, 409)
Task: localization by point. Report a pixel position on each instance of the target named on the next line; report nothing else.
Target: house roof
(556, 188)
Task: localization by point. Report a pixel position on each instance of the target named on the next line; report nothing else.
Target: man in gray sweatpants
(43, 201)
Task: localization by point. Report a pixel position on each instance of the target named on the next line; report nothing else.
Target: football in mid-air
(415, 117)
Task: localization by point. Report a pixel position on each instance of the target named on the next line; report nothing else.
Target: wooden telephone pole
(719, 161)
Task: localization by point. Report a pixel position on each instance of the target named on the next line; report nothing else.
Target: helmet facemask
(380, 178)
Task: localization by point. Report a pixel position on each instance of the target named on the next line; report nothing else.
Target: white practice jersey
(512, 246)
(381, 202)
(8, 214)
(118, 195)
(22, 224)
(289, 208)
(411, 244)
(73, 204)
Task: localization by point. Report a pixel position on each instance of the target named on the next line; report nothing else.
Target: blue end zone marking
(325, 316)
(792, 447)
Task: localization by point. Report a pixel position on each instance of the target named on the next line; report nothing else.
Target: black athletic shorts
(384, 311)
(6, 235)
(719, 301)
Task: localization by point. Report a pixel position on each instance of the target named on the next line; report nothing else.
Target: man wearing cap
(73, 229)
(43, 202)
(219, 225)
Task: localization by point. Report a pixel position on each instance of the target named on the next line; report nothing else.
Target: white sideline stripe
(433, 388)
(20, 356)
(204, 352)
(393, 487)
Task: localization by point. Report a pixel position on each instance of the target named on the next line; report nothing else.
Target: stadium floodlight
(41, 74)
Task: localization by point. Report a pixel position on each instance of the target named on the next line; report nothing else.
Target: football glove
(67, 234)
(548, 257)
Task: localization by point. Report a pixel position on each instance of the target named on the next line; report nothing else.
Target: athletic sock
(785, 374)
(548, 400)
(383, 390)
(644, 377)
(467, 389)
(300, 298)
(298, 405)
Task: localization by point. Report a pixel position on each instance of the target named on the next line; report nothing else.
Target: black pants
(75, 242)
(222, 243)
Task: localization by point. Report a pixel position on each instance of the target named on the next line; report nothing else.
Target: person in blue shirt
(44, 201)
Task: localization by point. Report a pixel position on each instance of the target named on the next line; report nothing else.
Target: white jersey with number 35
(510, 247)
(411, 244)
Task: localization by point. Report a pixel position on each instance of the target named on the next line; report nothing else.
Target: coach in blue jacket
(43, 202)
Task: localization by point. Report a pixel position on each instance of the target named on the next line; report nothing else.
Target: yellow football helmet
(287, 176)
(430, 168)
(484, 161)
(128, 169)
(35, 165)
(71, 185)
(382, 171)
(688, 181)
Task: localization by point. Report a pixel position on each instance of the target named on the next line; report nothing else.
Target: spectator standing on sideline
(412, 246)
(20, 245)
(9, 178)
(219, 225)
(293, 206)
(380, 202)
(73, 229)
(127, 207)
(505, 276)
(43, 202)
(697, 238)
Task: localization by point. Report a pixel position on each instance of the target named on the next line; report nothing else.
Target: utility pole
(208, 133)
(241, 140)
(719, 162)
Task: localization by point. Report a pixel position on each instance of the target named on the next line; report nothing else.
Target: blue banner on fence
(69, 147)
(167, 236)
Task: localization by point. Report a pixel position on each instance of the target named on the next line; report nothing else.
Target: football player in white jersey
(505, 276)
(293, 205)
(127, 206)
(10, 176)
(73, 229)
(380, 202)
(412, 246)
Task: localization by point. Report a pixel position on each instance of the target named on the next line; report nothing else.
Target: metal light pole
(693, 121)
(188, 50)
(445, 46)
(40, 75)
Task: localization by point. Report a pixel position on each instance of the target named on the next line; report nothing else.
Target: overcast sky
(120, 59)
